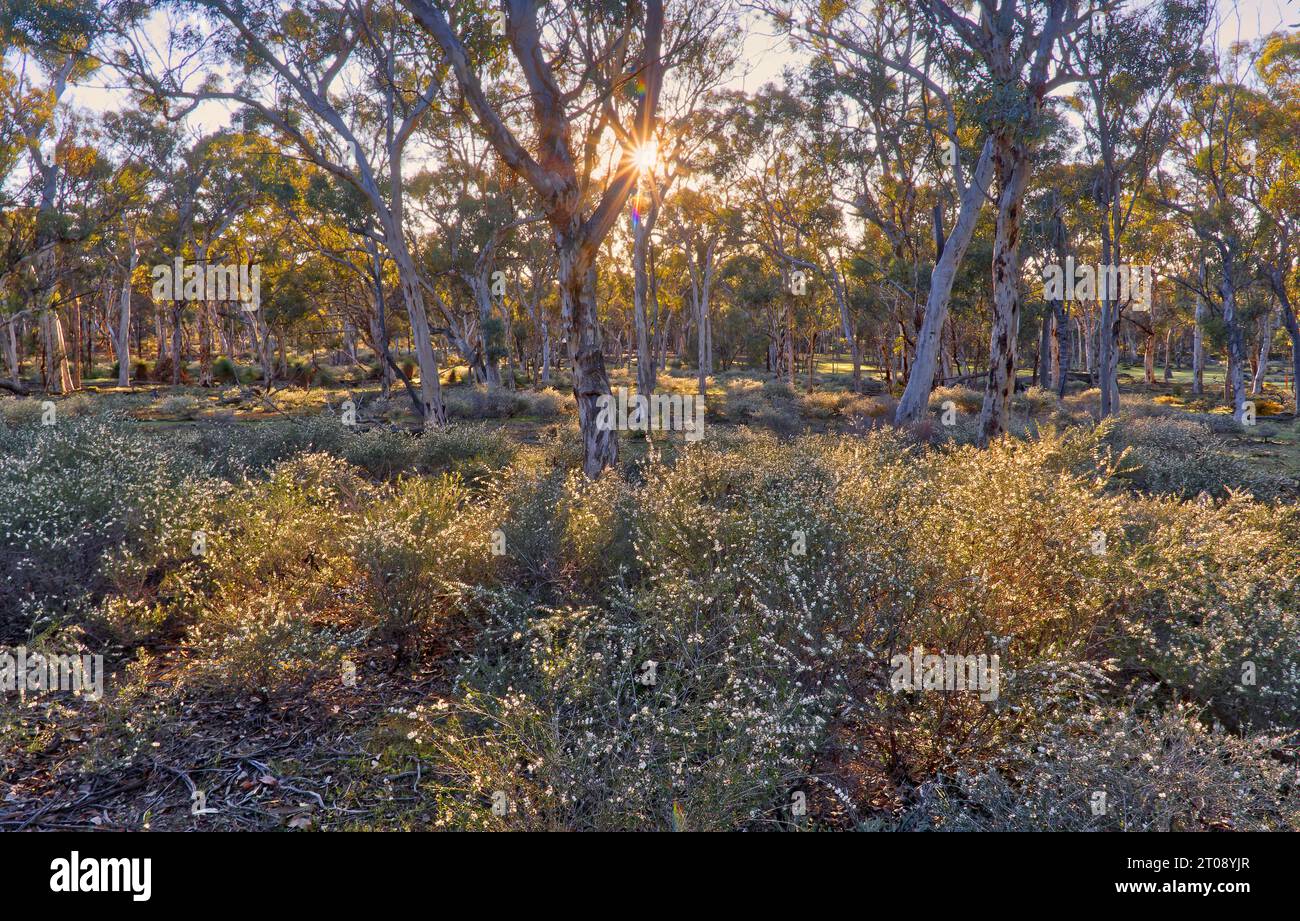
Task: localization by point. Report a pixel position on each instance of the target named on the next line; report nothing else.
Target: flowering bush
(88, 506)
(1183, 457)
(701, 638)
(1118, 770)
(411, 546)
(1217, 617)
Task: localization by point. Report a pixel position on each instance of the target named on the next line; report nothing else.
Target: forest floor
(1273, 443)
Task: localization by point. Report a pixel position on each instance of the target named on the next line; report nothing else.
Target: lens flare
(645, 157)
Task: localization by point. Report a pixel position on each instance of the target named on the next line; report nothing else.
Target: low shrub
(688, 639)
(225, 371)
(964, 399)
(824, 404)
(1182, 456)
(1216, 618)
(473, 451)
(78, 496)
(1119, 770)
(412, 548)
(179, 406)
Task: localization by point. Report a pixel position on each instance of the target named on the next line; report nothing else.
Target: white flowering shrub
(179, 406)
(413, 545)
(473, 451)
(701, 639)
(602, 718)
(771, 405)
(381, 453)
(746, 637)
(1185, 457)
(1111, 769)
(89, 507)
(276, 583)
(1218, 616)
(824, 404)
(251, 448)
(479, 402)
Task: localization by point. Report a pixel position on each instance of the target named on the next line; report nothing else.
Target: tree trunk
(546, 350)
(122, 341)
(1012, 167)
(1149, 357)
(789, 369)
(431, 406)
(58, 379)
(1043, 369)
(487, 370)
(812, 360)
(1293, 331)
(846, 325)
(702, 339)
(206, 377)
(645, 362)
(1064, 346)
(1236, 344)
(507, 328)
(1198, 341)
(178, 317)
(11, 351)
(75, 366)
(160, 333)
(1261, 368)
(1277, 281)
(948, 357)
(577, 281)
(916, 396)
(1108, 328)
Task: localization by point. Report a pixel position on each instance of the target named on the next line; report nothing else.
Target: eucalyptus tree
(702, 48)
(1019, 46)
(208, 186)
(753, 285)
(787, 194)
(346, 85)
(836, 135)
(1273, 187)
(592, 69)
(1131, 60)
(889, 60)
(52, 43)
(533, 277)
(706, 227)
(136, 135)
(247, 171)
(474, 207)
(1010, 57)
(182, 169)
(1206, 180)
(874, 135)
(332, 218)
